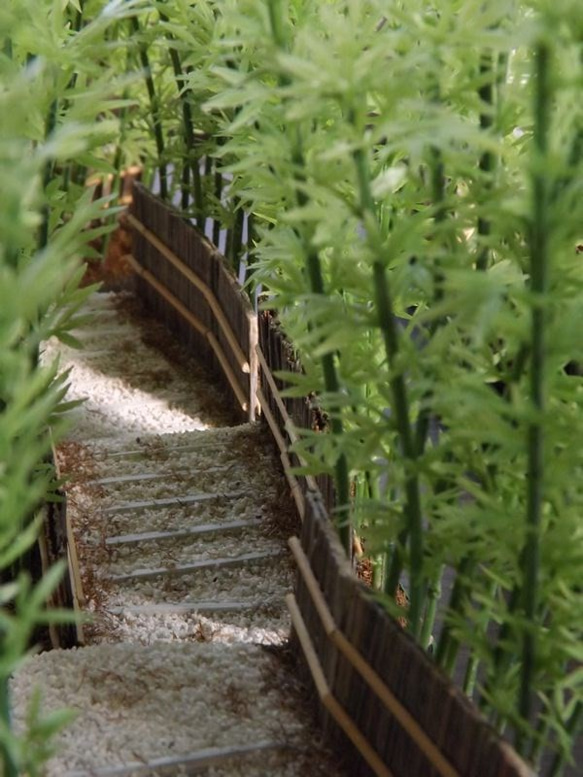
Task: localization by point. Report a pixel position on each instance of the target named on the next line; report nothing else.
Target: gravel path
(181, 526)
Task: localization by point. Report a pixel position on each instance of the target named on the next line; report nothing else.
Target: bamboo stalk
(487, 160)
(316, 281)
(501, 657)
(539, 261)
(471, 675)
(387, 323)
(433, 597)
(218, 190)
(237, 238)
(191, 166)
(254, 405)
(251, 242)
(184, 184)
(49, 165)
(573, 726)
(155, 107)
(395, 562)
(448, 644)
(45, 564)
(210, 298)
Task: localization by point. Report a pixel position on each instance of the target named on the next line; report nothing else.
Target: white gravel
(175, 663)
(135, 702)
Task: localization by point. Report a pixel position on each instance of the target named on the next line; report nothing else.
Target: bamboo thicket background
(417, 236)
(402, 184)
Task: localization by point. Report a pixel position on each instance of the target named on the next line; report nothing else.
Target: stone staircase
(181, 520)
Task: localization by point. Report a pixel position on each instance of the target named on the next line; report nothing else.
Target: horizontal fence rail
(182, 276)
(381, 698)
(416, 721)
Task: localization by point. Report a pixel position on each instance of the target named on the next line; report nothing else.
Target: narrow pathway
(181, 520)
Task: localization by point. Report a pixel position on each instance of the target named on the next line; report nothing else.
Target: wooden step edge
(175, 501)
(196, 566)
(170, 474)
(202, 759)
(193, 531)
(201, 607)
(201, 446)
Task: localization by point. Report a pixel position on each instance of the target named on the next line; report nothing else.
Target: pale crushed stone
(135, 702)
(167, 683)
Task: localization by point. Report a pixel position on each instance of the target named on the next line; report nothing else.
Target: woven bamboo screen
(414, 719)
(279, 356)
(186, 282)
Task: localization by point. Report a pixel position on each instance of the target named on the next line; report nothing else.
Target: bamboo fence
(390, 693)
(381, 698)
(187, 283)
(55, 543)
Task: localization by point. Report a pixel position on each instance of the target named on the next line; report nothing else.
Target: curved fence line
(202, 302)
(382, 699)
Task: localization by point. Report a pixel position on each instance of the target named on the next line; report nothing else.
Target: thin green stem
(487, 160)
(155, 107)
(396, 562)
(438, 196)
(48, 171)
(539, 260)
(251, 241)
(471, 675)
(218, 189)
(539, 741)
(573, 726)
(237, 242)
(185, 186)
(388, 325)
(190, 167)
(501, 656)
(378, 571)
(448, 644)
(316, 282)
(385, 309)
(433, 597)
(229, 241)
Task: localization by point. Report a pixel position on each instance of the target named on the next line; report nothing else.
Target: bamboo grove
(402, 183)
